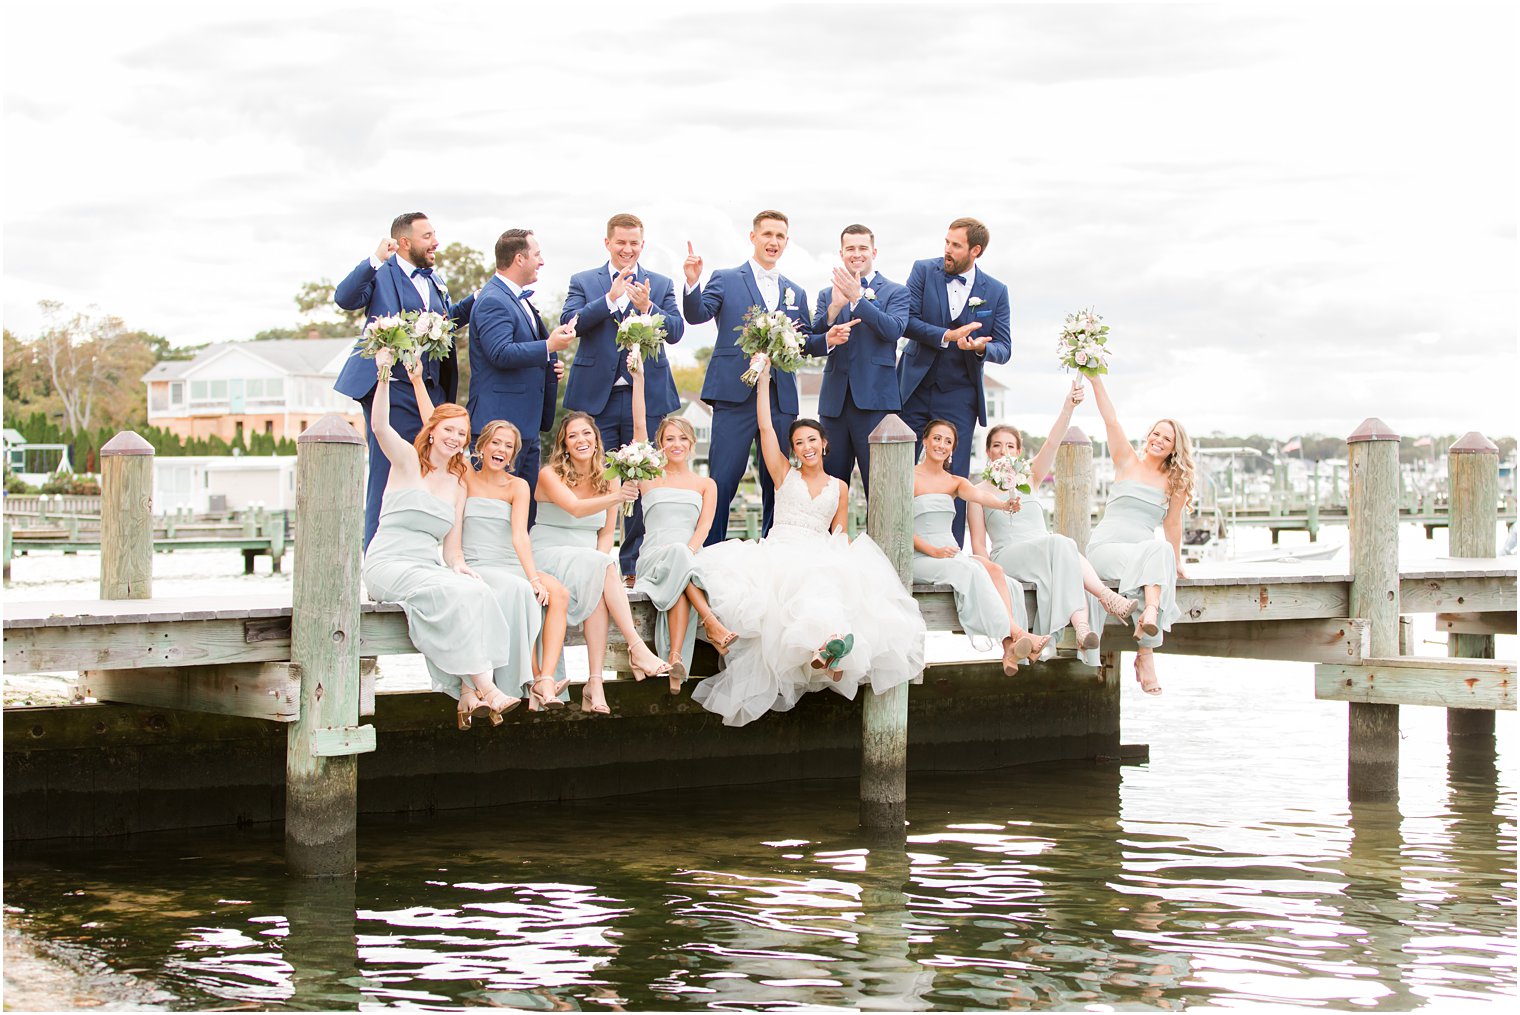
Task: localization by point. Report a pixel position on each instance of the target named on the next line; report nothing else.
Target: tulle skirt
(785, 597)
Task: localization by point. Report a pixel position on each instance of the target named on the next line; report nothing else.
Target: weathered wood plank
(1310, 641)
(253, 690)
(342, 741)
(1489, 594)
(1318, 600)
(134, 645)
(1476, 623)
(1446, 683)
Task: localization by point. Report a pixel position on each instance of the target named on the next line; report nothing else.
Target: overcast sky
(1291, 217)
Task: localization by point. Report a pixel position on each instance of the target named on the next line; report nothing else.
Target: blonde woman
(678, 513)
(572, 540)
(1067, 589)
(1152, 487)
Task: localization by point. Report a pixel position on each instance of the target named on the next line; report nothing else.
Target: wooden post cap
(1473, 443)
(128, 442)
(1372, 429)
(892, 430)
(330, 429)
(1074, 435)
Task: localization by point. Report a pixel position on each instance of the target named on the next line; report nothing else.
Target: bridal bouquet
(411, 335)
(634, 462)
(772, 335)
(643, 332)
(1009, 474)
(1083, 344)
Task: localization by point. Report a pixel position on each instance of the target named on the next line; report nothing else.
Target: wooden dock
(260, 659)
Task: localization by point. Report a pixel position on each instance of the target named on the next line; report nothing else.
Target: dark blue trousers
(849, 436)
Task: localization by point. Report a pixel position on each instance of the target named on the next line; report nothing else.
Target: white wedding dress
(791, 592)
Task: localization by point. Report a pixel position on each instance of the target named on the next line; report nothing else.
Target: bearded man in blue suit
(958, 320)
(514, 360)
(601, 298)
(727, 297)
(398, 276)
(856, 326)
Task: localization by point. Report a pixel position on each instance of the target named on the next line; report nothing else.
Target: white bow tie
(768, 276)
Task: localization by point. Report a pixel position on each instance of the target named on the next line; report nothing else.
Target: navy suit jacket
(865, 365)
(726, 298)
(383, 293)
(511, 369)
(929, 319)
(598, 361)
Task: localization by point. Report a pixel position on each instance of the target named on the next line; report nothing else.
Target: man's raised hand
(386, 248)
(693, 265)
(839, 334)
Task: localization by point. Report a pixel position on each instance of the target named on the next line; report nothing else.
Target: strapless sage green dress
(977, 602)
(1124, 548)
(666, 564)
(454, 620)
(565, 546)
(1020, 543)
(487, 543)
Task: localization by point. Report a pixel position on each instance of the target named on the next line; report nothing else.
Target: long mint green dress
(487, 543)
(1124, 548)
(1020, 543)
(565, 546)
(454, 620)
(666, 564)
(977, 602)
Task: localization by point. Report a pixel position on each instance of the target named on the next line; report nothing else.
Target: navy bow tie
(525, 294)
(955, 278)
(424, 272)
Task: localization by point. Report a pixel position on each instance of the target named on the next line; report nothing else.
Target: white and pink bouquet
(633, 463)
(411, 335)
(1009, 475)
(770, 336)
(643, 332)
(1083, 344)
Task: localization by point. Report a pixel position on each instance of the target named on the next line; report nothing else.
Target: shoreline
(43, 975)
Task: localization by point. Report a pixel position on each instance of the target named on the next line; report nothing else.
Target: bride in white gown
(811, 608)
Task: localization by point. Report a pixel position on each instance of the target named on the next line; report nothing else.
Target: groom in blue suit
(727, 297)
(398, 276)
(601, 298)
(958, 320)
(856, 325)
(514, 360)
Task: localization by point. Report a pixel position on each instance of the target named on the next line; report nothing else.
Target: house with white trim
(277, 387)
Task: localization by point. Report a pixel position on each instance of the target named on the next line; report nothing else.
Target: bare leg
(1090, 580)
(593, 699)
(1000, 582)
(551, 639)
(1145, 671)
(719, 635)
(1019, 644)
(1147, 625)
(1115, 604)
(487, 694)
(680, 619)
(615, 598)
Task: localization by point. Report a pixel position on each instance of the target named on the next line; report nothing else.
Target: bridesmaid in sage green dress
(1067, 589)
(678, 512)
(452, 617)
(572, 540)
(1151, 488)
(495, 543)
(988, 604)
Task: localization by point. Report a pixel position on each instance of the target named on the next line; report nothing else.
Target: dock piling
(1074, 487)
(1473, 483)
(126, 517)
(1373, 519)
(884, 717)
(321, 769)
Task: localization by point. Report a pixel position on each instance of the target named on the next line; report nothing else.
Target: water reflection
(1040, 888)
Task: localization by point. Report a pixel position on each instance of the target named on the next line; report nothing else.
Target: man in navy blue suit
(602, 297)
(727, 297)
(398, 276)
(856, 325)
(514, 360)
(958, 320)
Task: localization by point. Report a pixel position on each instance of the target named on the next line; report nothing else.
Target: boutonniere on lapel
(791, 299)
(975, 301)
(868, 294)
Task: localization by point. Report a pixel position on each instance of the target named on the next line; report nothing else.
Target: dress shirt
(958, 293)
(522, 304)
(419, 282)
(619, 306)
(769, 284)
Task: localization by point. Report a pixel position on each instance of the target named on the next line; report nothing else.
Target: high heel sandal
(589, 707)
(677, 675)
(1116, 605)
(831, 653)
(1086, 637)
(719, 642)
(1147, 628)
(1037, 647)
(548, 702)
(498, 703)
(1011, 655)
(1154, 687)
(469, 704)
(639, 673)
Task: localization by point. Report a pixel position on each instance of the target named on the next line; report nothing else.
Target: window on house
(176, 393)
(269, 426)
(158, 397)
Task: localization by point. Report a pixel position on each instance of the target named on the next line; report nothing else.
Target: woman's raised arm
(1118, 444)
(1040, 467)
(398, 449)
(776, 461)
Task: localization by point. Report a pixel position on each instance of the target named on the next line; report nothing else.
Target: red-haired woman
(451, 615)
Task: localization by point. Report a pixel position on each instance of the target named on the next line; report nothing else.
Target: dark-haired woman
(811, 608)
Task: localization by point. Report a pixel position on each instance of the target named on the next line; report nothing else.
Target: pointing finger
(690, 250)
